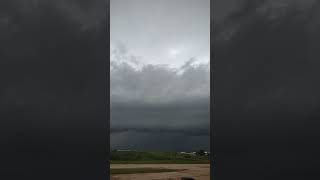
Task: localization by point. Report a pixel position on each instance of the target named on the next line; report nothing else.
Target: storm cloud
(160, 74)
(150, 100)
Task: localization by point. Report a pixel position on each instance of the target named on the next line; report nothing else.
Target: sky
(160, 74)
(162, 32)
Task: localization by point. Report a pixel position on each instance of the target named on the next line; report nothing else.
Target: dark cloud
(185, 131)
(53, 87)
(161, 138)
(153, 99)
(165, 141)
(266, 91)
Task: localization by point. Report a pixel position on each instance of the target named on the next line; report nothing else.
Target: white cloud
(132, 80)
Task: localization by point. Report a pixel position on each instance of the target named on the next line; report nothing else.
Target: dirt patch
(197, 171)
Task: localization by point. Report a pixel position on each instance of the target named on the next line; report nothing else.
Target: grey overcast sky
(160, 74)
(162, 32)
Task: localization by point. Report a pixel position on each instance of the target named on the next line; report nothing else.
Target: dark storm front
(149, 131)
(266, 90)
(53, 89)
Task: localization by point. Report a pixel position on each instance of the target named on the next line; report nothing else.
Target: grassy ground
(141, 170)
(162, 162)
(145, 157)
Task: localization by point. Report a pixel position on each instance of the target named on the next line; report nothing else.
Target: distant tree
(114, 155)
(201, 152)
(188, 156)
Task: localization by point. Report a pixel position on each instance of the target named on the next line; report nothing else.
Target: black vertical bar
(108, 91)
(212, 95)
(54, 90)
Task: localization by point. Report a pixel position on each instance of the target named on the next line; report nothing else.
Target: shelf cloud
(153, 99)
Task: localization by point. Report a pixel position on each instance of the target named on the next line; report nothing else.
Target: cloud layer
(148, 98)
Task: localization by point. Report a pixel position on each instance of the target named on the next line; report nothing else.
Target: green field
(141, 170)
(154, 157)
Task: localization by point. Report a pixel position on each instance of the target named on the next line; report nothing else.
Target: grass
(141, 170)
(162, 162)
(148, 157)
